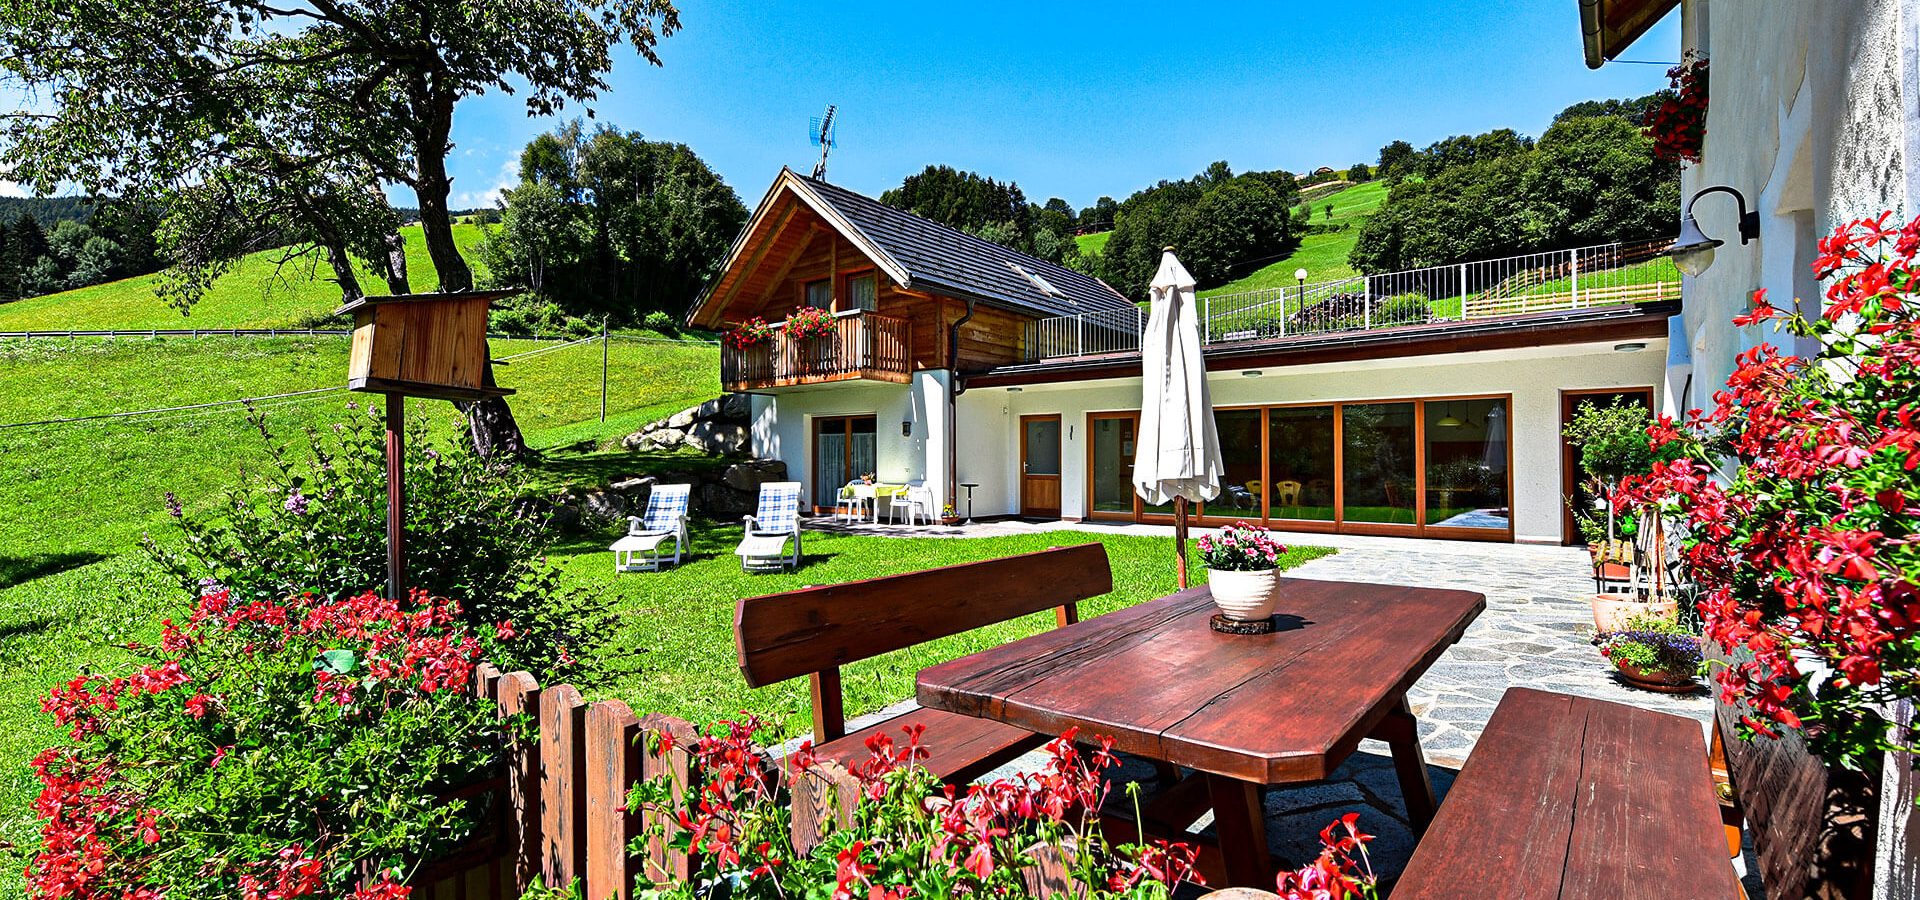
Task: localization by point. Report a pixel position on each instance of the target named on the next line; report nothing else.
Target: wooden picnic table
(1243, 711)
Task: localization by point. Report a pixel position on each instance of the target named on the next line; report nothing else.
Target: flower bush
(315, 520)
(1655, 644)
(1241, 547)
(268, 750)
(751, 333)
(911, 836)
(1678, 126)
(809, 322)
(1798, 491)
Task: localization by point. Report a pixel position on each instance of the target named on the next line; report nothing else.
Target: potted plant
(749, 334)
(1655, 653)
(1678, 126)
(948, 516)
(1613, 447)
(809, 322)
(1243, 570)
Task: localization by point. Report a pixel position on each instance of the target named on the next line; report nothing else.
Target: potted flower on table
(1243, 566)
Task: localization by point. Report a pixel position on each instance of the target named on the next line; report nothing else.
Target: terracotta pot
(949, 520)
(1658, 680)
(1612, 611)
(1244, 596)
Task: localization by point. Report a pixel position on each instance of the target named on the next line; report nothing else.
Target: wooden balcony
(863, 346)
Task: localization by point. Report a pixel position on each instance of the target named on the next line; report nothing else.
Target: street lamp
(1299, 275)
(1692, 251)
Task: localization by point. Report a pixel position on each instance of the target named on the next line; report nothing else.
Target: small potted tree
(1613, 447)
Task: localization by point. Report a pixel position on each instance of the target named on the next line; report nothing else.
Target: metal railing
(1484, 290)
(862, 344)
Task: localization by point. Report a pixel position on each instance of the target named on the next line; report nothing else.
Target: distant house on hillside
(1323, 170)
(955, 361)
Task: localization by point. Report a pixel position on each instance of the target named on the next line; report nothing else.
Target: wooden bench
(815, 631)
(1570, 797)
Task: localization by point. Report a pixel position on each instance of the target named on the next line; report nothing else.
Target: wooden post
(396, 496)
(1180, 540)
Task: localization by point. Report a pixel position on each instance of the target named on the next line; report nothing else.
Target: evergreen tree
(9, 276)
(27, 246)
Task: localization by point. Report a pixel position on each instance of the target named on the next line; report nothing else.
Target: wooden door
(1040, 466)
(1572, 491)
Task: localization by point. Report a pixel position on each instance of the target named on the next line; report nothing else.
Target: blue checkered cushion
(779, 507)
(666, 506)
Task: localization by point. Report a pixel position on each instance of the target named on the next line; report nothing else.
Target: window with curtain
(820, 294)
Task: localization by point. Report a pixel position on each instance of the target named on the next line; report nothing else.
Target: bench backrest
(815, 631)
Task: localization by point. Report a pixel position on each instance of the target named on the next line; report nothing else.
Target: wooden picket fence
(563, 804)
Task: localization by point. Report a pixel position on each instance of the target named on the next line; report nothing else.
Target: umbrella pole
(1180, 539)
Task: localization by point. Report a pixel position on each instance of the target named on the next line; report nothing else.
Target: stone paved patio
(1535, 632)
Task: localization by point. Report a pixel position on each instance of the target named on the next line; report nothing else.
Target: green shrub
(305, 748)
(317, 522)
(661, 322)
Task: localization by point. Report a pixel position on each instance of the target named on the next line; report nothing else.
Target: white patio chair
(774, 523)
(915, 502)
(643, 548)
(849, 507)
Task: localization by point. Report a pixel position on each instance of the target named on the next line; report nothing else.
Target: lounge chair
(643, 549)
(771, 527)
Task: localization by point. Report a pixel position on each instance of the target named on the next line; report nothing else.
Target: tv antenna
(822, 134)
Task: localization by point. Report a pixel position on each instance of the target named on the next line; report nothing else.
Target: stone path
(1536, 631)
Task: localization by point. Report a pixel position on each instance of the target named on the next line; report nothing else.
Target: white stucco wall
(783, 427)
(1535, 377)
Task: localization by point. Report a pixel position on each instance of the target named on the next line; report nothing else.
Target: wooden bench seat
(963, 748)
(1568, 797)
(814, 631)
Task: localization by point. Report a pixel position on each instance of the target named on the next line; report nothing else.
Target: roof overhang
(1609, 27)
(1613, 323)
(766, 222)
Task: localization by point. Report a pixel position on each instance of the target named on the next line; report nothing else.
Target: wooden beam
(753, 262)
(793, 259)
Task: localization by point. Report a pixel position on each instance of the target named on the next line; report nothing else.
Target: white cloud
(12, 189)
(506, 178)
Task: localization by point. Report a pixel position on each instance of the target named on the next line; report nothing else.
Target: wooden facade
(792, 248)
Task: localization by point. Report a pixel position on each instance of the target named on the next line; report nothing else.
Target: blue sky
(1076, 101)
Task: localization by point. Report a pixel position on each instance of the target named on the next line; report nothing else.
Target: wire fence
(314, 332)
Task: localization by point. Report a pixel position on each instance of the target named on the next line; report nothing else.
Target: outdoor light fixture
(1300, 275)
(906, 428)
(1014, 390)
(1630, 347)
(1693, 251)
(1251, 373)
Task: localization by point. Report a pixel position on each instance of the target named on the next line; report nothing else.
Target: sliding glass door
(1466, 463)
(1378, 465)
(844, 448)
(1302, 462)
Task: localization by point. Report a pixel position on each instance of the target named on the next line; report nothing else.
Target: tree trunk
(342, 265)
(495, 432)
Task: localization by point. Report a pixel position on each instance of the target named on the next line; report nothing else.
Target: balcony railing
(1488, 290)
(862, 345)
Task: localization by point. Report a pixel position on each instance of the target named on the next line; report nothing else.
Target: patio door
(1575, 495)
(1040, 466)
(844, 448)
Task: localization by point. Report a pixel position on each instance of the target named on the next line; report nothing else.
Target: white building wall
(1535, 377)
(783, 427)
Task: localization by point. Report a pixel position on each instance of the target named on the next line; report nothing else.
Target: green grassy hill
(249, 296)
(1092, 243)
(1324, 256)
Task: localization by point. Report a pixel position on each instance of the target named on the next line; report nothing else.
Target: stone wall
(721, 493)
(717, 427)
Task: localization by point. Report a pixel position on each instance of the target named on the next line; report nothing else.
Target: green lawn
(682, 618)
(1324, 256)
(1092, 243)
(249, 296)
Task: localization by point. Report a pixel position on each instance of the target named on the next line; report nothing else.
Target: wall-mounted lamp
(1693, 251)
(906, 428)
(1630, 347)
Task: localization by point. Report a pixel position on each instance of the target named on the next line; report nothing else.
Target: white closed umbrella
(1178, 457)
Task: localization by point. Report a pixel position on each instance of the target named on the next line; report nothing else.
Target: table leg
(1240, 822)
(1401, 731)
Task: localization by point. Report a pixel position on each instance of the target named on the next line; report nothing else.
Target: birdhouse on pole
(416, 345)
(422, 345)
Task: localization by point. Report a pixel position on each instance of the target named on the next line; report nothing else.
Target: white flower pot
(1244, 596)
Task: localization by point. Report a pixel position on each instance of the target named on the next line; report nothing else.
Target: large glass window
(1113, 465)
(1300, 462)
(1467, 463)
(1378, 458)
(1242, 487)
(820, 294)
